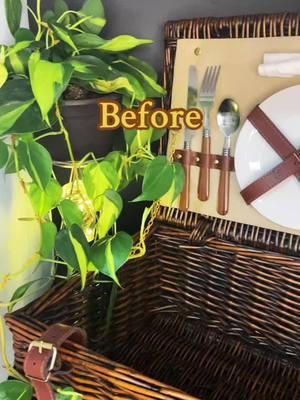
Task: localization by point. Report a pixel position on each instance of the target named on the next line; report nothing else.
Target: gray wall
(146, 18)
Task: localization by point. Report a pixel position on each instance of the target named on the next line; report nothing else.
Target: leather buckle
(40, 345)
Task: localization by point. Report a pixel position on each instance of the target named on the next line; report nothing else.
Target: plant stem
(81, 21)
(48, 260)
(66, 133)
(17, 164)
(33, 14)
(34, 260)
(85, 158)
(39, 21)
(11, 305)
(11, 371)
(66, 13)
(48, 134)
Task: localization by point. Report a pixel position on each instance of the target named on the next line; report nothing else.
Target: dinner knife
(192, 99)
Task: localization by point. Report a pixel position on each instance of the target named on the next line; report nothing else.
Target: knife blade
(192, 100)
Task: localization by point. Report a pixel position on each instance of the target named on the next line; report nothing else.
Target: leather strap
(198, 160)
(272, 134)
(43, 357)
(290, 166)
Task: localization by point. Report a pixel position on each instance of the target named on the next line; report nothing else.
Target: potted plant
(67, 58)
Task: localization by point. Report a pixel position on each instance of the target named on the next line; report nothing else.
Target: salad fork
(206, 99)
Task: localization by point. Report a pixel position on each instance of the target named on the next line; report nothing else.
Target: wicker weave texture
(216, 320)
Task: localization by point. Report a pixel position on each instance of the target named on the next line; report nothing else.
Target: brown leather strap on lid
(271, 134)
(290, 166)
(43, 357)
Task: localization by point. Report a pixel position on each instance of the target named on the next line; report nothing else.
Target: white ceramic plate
(254, 157)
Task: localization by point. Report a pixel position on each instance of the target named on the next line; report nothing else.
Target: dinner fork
(206, 99)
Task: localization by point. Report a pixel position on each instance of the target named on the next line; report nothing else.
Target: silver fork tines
(210, 80)
(207, 94)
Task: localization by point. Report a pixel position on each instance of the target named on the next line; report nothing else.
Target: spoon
(228, 119)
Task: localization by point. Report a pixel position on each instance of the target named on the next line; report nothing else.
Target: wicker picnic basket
(212, 310)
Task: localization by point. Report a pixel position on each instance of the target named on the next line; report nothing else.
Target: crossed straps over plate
(288, 153)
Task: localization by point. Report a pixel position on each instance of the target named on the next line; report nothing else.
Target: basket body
(212, 318)
(211, 312)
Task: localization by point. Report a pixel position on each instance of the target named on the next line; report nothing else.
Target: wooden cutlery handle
(185, 195)
(204, 178)
(224, 186)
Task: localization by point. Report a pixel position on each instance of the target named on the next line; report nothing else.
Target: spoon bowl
(228, 119)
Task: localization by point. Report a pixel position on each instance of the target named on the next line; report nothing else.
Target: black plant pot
(81, 118)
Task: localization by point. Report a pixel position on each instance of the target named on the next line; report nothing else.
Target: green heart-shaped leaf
(48, 91)
(111, 208)
(99, 177)
(60, 7)
(70, 213)
(44, 200)
(95, 10)
(37, 161)
(15, 98)
(13, 9)
(49, 232)
(157, 180)
(108, 257)
(15, 390)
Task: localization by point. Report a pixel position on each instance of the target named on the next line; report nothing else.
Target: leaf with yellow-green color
(37, 161)
(3, 74)
(158, 179)
(65, 36)
(99, 177)
(44, 200)
(111, 208)
(112, 86)
(151, 87)
(49, 232)
(123, 43)
(95, 10)
(80, 246)
(115, 45)
(109, 256)
(68, 393)
(71, 213)
(48, 91)
(15, 98)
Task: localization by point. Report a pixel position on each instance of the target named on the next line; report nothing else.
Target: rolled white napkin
(282, 65)
(272, 58)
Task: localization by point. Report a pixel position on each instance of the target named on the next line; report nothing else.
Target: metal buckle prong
(40, 345)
